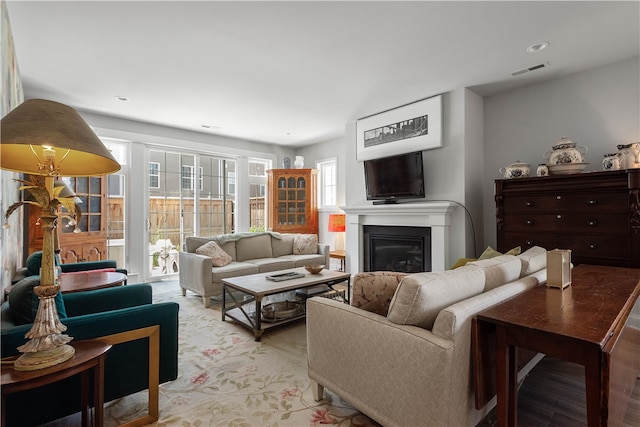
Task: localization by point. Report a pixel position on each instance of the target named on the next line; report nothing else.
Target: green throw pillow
(492, 253)
(23, 302)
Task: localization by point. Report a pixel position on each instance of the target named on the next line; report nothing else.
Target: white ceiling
(293, 73)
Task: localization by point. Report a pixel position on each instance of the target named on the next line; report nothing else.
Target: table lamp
(337, 225)
(46, 139)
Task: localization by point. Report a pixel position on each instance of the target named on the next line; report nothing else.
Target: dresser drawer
(583, 247)
(607, 223)
(558, 202)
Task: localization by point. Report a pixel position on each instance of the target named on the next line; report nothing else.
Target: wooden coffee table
(257, 286)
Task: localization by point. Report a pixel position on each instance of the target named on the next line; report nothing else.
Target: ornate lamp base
(43, 359)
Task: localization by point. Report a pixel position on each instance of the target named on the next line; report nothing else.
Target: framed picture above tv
(412, 127)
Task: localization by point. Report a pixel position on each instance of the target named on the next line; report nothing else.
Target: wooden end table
(585, 323)
(88, 281)
(340, 255)
(89, 355)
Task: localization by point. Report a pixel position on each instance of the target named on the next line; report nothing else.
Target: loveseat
(407, 362)
(205, 261)
(87, 315)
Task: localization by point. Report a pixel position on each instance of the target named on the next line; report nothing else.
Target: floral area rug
(226, 378)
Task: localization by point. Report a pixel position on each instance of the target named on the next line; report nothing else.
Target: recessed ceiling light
(537, 47)
(122, 98)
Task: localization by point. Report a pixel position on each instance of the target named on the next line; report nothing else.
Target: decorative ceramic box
(559, 268)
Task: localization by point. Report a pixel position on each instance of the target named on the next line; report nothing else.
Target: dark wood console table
(586, 323)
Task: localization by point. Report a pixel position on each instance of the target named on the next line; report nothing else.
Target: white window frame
(188, 176)
(156, 175)
(327, 183)
(231, 183)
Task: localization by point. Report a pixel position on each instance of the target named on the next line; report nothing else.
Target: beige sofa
(249, 253)
(413, 367)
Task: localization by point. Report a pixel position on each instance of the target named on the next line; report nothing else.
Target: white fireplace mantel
(436, 215)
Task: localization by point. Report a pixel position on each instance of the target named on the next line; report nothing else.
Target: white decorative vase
(299, 162)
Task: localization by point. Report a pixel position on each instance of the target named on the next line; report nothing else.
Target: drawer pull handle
(593, 245)
(592, 202)
(558, 197)
(529, 242)
(559, 216)
(592, 223)
(529, 222)
(528, 204)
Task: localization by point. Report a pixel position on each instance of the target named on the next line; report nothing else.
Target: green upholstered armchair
(34, 261)
(93, 314)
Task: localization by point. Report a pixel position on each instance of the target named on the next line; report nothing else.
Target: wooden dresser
(595, 214)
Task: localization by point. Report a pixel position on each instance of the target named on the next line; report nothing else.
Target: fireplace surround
(434, 215)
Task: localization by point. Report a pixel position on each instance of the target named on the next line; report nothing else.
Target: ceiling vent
(526, 70)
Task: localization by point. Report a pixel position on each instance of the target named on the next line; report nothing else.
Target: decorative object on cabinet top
(567, 168)
(516, 170)
(565, 152)
(629, 155)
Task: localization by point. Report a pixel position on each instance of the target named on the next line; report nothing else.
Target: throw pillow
(373, 291)
(492, 253)
(23, 301)
(305, 244)
(420, 297)
(219, 258)
(461, 262)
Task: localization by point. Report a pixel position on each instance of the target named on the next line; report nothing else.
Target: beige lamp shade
(39, 123)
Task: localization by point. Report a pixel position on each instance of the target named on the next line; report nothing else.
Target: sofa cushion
(271, 264)
(498, 270)
(373, 291)
(23, 302)
(232, 270)
(219, 258)
(420, 297)
(253, 247)
(533, 259)
(305, 244)
(302, 260)
(282, 246)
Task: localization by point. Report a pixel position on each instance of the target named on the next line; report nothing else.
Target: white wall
(334, 148)
(598, 109)
(446, 174)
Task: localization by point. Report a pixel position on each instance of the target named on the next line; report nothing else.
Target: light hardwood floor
(554, 395)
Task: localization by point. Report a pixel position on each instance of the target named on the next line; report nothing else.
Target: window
(327, 183)
(257, 190)
(115, 186)
(154, 175)
(201, 178)
(187, 177)
(231, 183)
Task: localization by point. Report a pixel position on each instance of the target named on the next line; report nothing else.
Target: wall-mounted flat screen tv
(389, 179)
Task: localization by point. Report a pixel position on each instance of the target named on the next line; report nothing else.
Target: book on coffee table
(285, 276)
